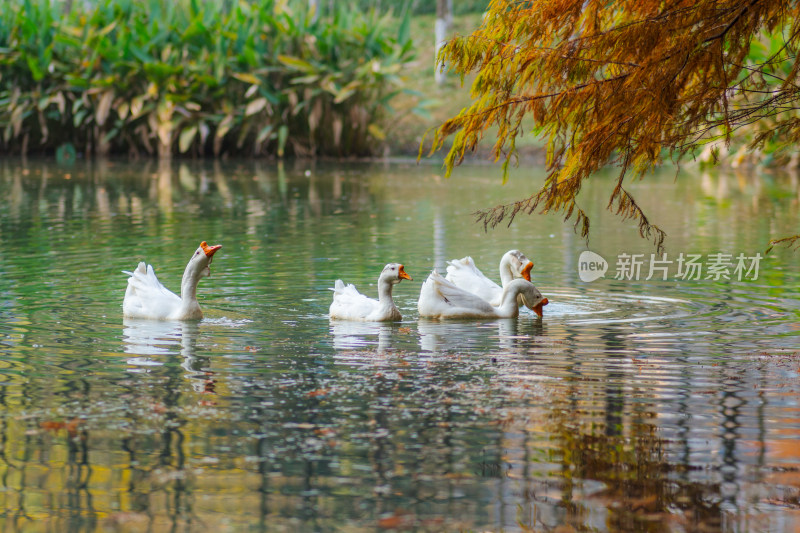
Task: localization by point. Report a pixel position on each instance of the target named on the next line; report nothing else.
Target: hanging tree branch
(618, 83)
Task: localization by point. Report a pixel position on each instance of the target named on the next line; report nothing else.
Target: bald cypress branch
(621, 83)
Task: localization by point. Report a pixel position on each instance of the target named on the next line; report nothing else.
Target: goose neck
(509, 306)
(189, 284)
(506, 274)
(385, 291)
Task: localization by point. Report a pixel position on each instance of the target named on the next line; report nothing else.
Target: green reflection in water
(634, 405)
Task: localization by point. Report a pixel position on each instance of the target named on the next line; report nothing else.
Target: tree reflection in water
(649, 408)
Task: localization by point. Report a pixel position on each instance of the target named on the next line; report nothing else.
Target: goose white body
(439, 298)
(146, 297)
(464, 274)
(349, 304)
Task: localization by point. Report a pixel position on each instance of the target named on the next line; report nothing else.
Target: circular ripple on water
(716, 315)
(597, 307)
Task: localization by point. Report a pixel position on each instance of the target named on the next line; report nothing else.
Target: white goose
(146, 297)
(349, 304)
(439, 298)
(464, 274)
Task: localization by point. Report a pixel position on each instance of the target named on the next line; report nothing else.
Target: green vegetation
(201, 78)
(421, 7)
(769, 135)
(427, 105)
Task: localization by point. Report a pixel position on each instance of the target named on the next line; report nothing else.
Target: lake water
(633, 405)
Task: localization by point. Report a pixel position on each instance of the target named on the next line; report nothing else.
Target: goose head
(521, 264)
(201, 260)
(532, 298)
(393, 273)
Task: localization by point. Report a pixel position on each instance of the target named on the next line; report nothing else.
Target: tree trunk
(443, 20)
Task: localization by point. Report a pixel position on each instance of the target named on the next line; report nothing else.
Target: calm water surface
(634, 405)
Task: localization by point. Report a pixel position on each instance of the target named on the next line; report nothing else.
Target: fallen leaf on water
(51, 425)
(647, 503)
(55, 426)
(400, 519)
(123, 519)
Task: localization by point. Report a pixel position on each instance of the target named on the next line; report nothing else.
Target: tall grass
(194, 77)
(416, 7)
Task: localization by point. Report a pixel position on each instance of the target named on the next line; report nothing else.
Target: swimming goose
(439, 298)
(464, 274)
(146, 297)
(349, 304)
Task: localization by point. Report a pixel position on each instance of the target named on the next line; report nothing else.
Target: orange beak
(538, 308)
(526, 272)
(209, 250)
(403, 274)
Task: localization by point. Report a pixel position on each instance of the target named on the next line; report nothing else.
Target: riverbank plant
(167, 77)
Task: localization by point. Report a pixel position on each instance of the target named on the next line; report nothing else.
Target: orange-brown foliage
(625, 83)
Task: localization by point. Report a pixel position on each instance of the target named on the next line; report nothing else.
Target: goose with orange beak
(349, 304)
(465, 275)
(441, 299)
(146, 297)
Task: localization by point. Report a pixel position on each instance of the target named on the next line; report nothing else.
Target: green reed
(193, 77)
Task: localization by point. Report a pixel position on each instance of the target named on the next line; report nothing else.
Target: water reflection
(153, 340)
(630, 406)
(504, 336)
(108, 191)
(350, 335)
(153, 448)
